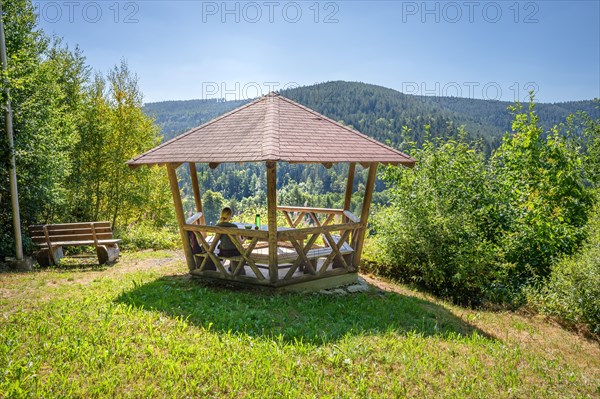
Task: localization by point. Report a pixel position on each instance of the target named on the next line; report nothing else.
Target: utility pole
(14, 192)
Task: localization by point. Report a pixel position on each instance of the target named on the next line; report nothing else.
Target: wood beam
(297, 233)
(364, 215)
(309, 209)
(288, 218)
(272, 219)
(180, 216)
(228, 230)
(196, 188)
(349, 188)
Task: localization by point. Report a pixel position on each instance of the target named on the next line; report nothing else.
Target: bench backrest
(70, 232)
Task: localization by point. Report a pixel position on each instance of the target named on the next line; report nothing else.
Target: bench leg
(348, 258)
(44, 259)
(209, 263)
(107, 253)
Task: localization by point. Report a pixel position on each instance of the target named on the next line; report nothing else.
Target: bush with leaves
(147, 235)
(572, 291)
(432, 234)
(471, 230)
(542, 203)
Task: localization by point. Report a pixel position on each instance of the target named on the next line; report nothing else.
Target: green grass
(143, 328)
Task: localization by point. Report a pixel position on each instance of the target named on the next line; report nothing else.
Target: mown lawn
(143, 328)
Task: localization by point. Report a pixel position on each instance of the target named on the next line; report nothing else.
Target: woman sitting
(226, 246)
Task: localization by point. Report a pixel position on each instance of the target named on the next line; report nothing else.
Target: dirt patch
(40, 285)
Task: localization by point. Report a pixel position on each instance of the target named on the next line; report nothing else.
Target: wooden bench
(286, 256)
(50, 239)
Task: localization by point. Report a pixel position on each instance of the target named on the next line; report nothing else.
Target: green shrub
(541, 204)
(147, 236)
(473, 230)
(572, 292)
(434, 232)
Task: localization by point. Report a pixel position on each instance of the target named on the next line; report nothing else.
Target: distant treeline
(398, 119)
(379, 112)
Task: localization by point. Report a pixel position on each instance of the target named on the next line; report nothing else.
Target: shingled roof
(272, 128)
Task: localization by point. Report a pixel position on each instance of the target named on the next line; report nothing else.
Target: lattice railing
(295, 215)
(316, 251)
(307, 257)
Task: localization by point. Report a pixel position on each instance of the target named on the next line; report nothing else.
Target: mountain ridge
(380, 112)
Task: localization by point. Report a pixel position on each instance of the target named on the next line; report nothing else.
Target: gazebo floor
(283, 269)
(299, 281)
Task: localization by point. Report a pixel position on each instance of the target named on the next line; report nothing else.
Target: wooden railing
(209, 243)
(335, 251)
(297, 247)
(295, 214)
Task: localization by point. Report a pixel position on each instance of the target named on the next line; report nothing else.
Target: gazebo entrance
(275, 129)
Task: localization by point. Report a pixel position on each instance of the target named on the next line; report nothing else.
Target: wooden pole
(196, 188)
(364, 215)
(180, 216)
(349, 187)
(272, 219)
(12, 173)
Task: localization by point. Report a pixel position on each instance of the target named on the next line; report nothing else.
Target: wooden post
(196, 188)
(180, 216)
(364, 215)
(272, 219)
(349, 187)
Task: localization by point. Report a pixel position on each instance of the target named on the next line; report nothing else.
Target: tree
(45, 79)
(543, 200)
(87, 185)
(212, 203)
(131, 133)
(114, 130)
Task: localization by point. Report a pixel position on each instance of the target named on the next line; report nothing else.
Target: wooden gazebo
(275, 129)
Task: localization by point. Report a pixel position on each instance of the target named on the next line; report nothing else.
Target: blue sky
(208, 49)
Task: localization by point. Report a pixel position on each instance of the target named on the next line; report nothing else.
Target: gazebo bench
(51, 238)
(284, 259)
(290, 255)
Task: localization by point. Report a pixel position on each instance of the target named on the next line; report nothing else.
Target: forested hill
(175, 117)
(378, 112)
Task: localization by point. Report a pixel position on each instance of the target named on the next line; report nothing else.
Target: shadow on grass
(78, 265)
(312, 318)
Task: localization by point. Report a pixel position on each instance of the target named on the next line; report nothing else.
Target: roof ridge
(270, 145)
(292, 102)
(192, 130)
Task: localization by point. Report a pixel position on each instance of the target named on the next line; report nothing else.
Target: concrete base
(315, 285)
(323, 283)
(23, 265)
(107, 253)
(44, 259)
